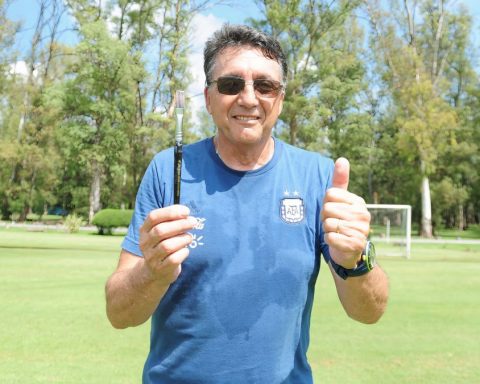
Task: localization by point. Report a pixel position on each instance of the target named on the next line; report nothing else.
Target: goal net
(390, 229)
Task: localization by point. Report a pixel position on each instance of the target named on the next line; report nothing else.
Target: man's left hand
(346, 220)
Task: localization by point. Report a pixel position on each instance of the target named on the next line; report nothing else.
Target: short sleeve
(150, 196)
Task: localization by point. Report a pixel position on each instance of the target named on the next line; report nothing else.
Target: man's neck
(245, 157)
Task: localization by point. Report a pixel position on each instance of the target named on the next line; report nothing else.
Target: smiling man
(228, 276)
(245, 118)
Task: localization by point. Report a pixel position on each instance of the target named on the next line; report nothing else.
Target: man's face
(245, 118)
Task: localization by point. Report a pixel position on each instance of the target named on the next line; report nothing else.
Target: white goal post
(391, 229)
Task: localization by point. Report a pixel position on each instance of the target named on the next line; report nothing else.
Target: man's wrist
(149, 277)
(365, 264)
(350, 264)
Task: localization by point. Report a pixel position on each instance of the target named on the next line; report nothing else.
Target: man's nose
(247, 96)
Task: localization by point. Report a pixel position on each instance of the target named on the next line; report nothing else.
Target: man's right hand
(164, 242)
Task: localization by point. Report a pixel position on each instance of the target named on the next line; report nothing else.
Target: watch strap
(363, 266)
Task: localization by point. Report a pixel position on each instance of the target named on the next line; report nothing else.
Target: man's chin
(247, 135)
(250, 137)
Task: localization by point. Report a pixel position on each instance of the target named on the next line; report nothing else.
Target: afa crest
(292, 209)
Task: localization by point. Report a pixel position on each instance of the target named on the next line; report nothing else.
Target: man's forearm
(132, 296)
(364, 298)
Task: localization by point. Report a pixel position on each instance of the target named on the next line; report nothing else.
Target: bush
(73, 223)
(33, 217)
(107, 219)
(46, 219)
(52, 218)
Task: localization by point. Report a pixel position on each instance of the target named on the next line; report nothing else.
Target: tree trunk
(461, 218)
(426, 209)
(94, 191)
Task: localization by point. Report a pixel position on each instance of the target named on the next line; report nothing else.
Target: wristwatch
(364, 265)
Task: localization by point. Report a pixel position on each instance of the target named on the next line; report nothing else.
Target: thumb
(341, 173)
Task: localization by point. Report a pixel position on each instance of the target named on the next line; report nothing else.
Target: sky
(204, 24)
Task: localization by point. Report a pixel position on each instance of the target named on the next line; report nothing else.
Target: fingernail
(184, 210)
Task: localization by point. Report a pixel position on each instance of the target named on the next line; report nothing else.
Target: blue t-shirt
(240, 310)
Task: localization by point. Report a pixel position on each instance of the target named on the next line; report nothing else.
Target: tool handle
(177, 172)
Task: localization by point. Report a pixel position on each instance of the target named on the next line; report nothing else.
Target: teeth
(246, 117)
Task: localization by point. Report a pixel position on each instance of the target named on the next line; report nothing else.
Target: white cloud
(19, 68)
(203, 26)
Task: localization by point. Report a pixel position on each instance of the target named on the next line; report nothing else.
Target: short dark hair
(238, 36)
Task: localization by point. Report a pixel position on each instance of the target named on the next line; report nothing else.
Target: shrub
(33, 217)
(47, 219)
(107, 219)
(52, 219)
(73, 223)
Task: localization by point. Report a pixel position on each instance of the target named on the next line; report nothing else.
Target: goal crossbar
(408, 221)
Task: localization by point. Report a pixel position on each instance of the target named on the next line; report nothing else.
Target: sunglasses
(233, 85)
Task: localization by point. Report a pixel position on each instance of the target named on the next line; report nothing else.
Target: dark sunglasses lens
(267, 87)
(230, 85)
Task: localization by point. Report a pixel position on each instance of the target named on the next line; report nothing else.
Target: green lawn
(54, 328)
(472, 232)
(429, 334)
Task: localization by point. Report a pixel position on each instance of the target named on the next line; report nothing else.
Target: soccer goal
(390, 229)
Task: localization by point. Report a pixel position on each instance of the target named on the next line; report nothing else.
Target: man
(228, 275)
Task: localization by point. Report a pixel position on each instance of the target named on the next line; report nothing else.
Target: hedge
(48, 219)
(107, 219)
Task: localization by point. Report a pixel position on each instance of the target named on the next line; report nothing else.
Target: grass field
(54, 329)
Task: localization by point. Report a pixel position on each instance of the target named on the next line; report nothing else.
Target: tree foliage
(414, 42)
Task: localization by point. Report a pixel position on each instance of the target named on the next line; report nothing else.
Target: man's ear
(207, 100)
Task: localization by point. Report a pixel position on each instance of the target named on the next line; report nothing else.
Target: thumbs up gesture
(346, 220)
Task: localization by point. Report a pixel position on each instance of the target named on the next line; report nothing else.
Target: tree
(162, 27)
(166, 25)
(7, 155)
(306, 31)
(32, 159)
(475, 157)
(414, 41)
(458, 168)
(97, 98)
(322, 43)
(8, 30)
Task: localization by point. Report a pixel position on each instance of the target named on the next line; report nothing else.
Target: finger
(165, 230)
(160, 215)
(345, 212)
(346, 228)
(342, 196)
(176, 258)
(341, 173)
(172, 245)
(169, 229)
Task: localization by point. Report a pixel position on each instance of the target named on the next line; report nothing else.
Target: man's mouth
(246, 117)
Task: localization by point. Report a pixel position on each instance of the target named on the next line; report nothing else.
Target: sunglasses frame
(272, 94)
